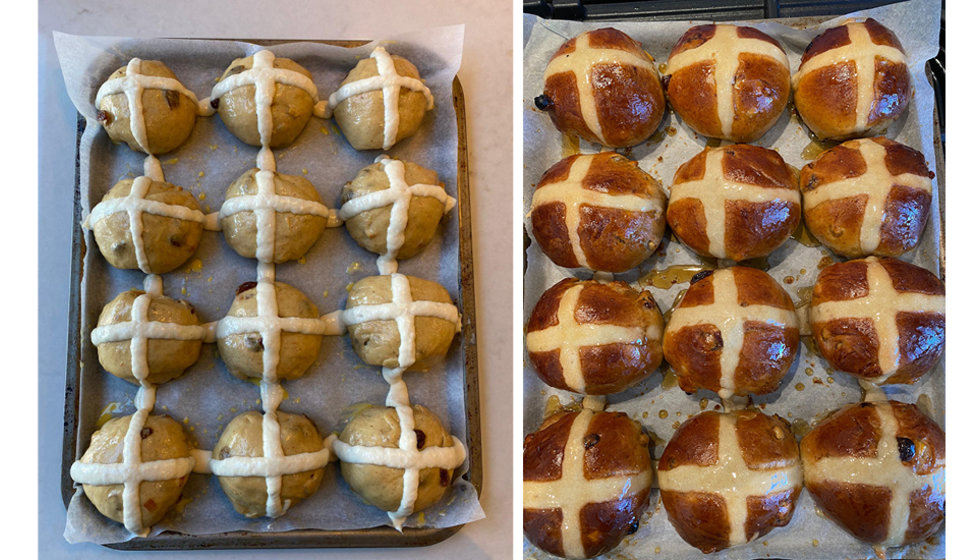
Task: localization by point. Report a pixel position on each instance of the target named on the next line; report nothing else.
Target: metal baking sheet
(381, 536)
(810, 388)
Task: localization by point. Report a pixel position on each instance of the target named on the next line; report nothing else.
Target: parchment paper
(809, 534)
(207, 397)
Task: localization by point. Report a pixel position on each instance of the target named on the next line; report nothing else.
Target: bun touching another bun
(594, 338)
(882, 320)
(727, 479)
(878, 470)
(737, 202)
(867, 196)
(598, 211)
(727, 81)
(734, 332)
(587, 478)
(602, 86)
(853, 81)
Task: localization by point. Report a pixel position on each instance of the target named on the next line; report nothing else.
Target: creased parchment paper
(811, 388)
(207, 397)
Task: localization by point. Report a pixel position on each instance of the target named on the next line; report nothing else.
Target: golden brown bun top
(837, 37)
(608, 173)
(600, 303)
(849, 280)
(615, 446)
(763, 440)
(845, 161)
(742, 163)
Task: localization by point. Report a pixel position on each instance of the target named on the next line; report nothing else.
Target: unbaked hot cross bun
(602, 86)
(587, 478)
(878, 470)
(734, 332)
(144, 105)
(727, 479)
(869, 196)
(594, 338)
(598, 211)
(727, 81)
(736, 202)
(881, 320)
(853, 81)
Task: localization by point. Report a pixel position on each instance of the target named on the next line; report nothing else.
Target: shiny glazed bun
(602, 86)
(881, 320)
(594, 338)
(727, 81)
(853, 81)
(734, 332)
(598, 211)
(735, 202)
(867, 197)
(587, 478)
(727, 479)
(879, 470)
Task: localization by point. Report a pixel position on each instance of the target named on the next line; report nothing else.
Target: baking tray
(382, 536)
(592, 11)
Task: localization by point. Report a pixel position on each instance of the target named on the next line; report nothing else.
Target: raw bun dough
(295, 233)
(370, 228)
(381, 486)
(377, 342)
(167, 359)
(362, 117)
(291, 106)
(242, 437)
(167, 242)
(242, 353)
(164, 439)
(169, 115)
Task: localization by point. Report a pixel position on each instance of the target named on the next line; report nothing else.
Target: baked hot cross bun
(736, 202)
(735, 332)
(878, 470)
(869, 196)
(587, 478)
(602, 86)
(598, 211)
(727, 479)
(594, 338)
(881, 320)
(728, 81)
(853, 81)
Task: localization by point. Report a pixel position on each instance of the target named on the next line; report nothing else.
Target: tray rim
(381, 536)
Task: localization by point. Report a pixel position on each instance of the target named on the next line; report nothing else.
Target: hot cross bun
(736, 202)
(587, 478)
(728, 81)
(879, 470)
(869, 196)
(882, 320)
(598, 211)
(727, 479)
(735, 332)
(853, 81)
(594, 338)
(602, 86)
